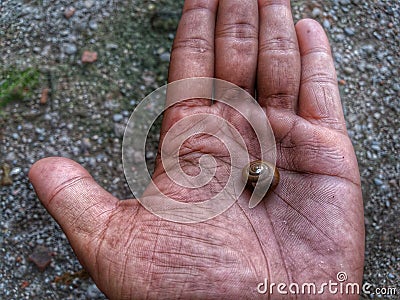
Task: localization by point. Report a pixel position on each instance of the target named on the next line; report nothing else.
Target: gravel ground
(88, 105)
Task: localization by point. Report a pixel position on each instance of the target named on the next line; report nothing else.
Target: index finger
(193, 49)
(192, 55)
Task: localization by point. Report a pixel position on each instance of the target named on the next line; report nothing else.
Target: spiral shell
(259, 171)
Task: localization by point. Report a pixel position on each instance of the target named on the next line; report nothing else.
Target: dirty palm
(309, 229)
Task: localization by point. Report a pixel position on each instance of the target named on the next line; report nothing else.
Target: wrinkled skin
(307, 230)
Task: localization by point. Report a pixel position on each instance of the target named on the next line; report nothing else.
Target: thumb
(73, 198)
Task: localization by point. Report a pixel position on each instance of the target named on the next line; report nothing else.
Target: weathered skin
(307, 230)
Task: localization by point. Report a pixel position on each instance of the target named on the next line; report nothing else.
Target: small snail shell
(259, 171)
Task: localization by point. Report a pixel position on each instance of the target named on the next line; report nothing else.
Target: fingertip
(41, 166)
(50, 173)
(307, 21)
(311, 35)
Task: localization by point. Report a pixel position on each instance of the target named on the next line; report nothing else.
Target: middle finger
(236, 42)
(279, 57)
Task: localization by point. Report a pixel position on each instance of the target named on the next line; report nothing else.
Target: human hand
(308, 230)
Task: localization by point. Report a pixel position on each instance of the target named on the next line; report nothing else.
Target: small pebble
(376, 148)
(340, 37)
(86, 145)
(316, 12)
(377, 115)
(348, 70)
(89, 3)
(369, 48)
(89, 56)
(6, 180)
(326, 24)
(44, 96)
(11, 156)
(41, 257)
(20, 272)
(93, 25)
(118, 117)
(149, 155)
(349, 31)
(69, 48)
(377, 35)
(93, 292)
(15, 171)
(165, 56)
(69, 12)
(111, 46)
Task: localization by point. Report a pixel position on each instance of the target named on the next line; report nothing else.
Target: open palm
(307, 230)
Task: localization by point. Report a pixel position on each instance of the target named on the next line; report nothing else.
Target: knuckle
(280, 43)
(318, 68)
(267, 3)
(196, 6)
(193, 44)
(238, 31)
(318, 78)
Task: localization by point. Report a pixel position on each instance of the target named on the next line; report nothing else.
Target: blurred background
(71, 73)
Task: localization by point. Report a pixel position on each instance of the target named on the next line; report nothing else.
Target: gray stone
(118, 117)
(93, 292)
(15, 171)
(166, 56)
(376, 148)
(111, 46)
(348, 70)
(326, 24)
(26, 10)
(93, 25)
(69, 48)
(11, 156)
(20, 272)
(339, 37)
(369, 48)
(316, 12)
(89, 3)
(349, 31)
